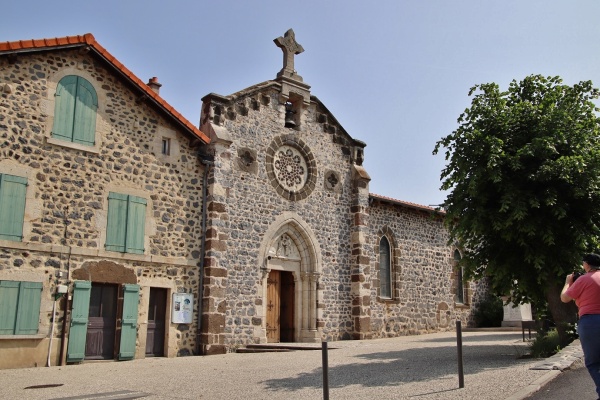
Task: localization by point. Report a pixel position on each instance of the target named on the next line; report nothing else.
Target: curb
(534, 386)
(556, 364)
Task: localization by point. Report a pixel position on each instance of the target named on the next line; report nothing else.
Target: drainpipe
(207, 161)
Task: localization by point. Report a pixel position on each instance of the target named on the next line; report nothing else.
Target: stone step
(277, 347)
(264, 350)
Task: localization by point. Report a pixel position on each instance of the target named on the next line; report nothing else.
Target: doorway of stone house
(157, 311)
(280, 307)
(102, 322)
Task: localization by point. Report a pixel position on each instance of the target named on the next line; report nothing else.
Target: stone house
(127, 232)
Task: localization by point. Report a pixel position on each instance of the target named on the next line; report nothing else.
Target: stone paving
(422, 366)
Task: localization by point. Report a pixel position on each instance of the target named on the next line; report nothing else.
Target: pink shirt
(586, 292)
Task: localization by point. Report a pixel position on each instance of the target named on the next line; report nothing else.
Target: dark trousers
(589, 335)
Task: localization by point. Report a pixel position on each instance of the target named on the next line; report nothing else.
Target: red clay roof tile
(88, 39)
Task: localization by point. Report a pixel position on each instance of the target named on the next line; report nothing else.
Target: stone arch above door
(290, 247)
(105, 271)
(289, 237)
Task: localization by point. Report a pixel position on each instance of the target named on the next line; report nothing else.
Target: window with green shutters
(12, 206)
(19, 307)
(76, 103)
(126, 223)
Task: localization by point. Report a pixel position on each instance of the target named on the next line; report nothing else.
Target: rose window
(290, 168)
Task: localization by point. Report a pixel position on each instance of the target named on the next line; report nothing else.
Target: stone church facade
(174, 240)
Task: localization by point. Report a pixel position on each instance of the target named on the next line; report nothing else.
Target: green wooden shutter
(86, 105)
(116, 226)
(9, 297)
(20, 307)
(64, 108)
(136, 220)
(79, 321)
(28, 312)
(12, 206)
(129, 321)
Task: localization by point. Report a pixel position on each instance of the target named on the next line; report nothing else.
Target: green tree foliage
(524, 179)
(489, 312)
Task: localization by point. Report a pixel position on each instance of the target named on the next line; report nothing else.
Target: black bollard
(325, 371)
(461, 375)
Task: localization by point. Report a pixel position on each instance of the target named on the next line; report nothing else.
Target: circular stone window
(291, 168)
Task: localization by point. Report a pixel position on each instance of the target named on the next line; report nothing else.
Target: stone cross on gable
(290, 47)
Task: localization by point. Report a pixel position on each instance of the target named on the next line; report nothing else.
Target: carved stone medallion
(290, 168)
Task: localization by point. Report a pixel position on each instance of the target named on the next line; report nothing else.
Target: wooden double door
(103, 321)
(280, 307)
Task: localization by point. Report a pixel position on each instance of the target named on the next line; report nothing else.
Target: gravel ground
(423, 367)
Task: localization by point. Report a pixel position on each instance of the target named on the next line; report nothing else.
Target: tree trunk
(563, 314)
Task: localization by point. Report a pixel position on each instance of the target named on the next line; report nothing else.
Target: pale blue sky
(395, 73)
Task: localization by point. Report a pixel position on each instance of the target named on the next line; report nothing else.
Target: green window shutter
(9, 297)
(131, 295)
(86, 105)
(20, 307)
(116, 226)
(28, 312)
(136, 220)
(12, 206)
(79, 321)
(64, 108)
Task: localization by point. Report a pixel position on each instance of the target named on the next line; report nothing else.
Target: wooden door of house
(102, 322)
(157, 308)
(286, 319)
(273, 306)
(280, 307)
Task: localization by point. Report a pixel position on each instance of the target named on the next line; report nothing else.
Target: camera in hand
(576, 275)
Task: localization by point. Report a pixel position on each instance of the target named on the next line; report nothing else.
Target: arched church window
(385, 268)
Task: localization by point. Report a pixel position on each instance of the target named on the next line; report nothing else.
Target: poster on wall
(182, 307)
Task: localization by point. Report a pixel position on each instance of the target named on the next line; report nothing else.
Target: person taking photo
(585, 290)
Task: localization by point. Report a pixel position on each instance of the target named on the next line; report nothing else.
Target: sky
(395, 73)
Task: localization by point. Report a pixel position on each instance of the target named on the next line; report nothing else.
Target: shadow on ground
(412, 365)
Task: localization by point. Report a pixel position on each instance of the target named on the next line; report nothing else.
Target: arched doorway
(291, 270)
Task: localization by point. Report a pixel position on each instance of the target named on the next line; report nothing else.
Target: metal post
(325, 371)
(461, 375)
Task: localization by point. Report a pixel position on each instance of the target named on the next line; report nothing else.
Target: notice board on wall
(182, 308)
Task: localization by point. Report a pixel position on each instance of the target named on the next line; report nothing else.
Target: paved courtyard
(413, 367)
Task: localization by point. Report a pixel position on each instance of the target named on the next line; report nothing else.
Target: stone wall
(336, 218)
(68, 185)
(424, 297)
(330, 218)
(254, 202)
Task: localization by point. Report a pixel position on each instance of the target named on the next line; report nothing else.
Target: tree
(524, 179)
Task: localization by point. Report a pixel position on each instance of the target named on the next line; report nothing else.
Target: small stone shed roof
(88, 40)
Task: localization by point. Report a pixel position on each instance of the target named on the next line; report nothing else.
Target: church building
(127, 231)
